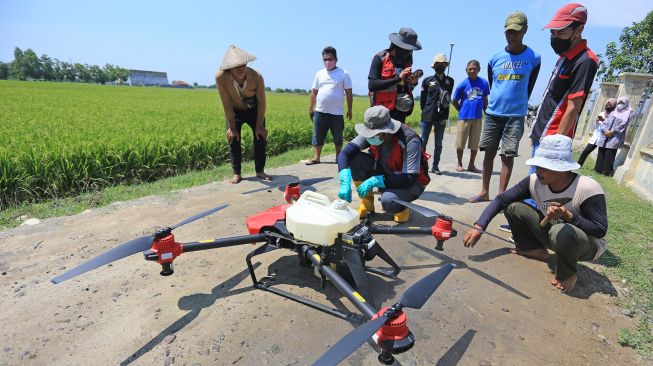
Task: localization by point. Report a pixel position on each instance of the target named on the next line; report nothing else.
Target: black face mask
(440, 69)
(561, 45)
(609, 109)
(402, 57)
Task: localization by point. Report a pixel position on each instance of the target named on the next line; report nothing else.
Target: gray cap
(377, 120)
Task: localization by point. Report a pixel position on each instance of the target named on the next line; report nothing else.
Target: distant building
(147, 78)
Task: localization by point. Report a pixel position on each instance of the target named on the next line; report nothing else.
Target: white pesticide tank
(315, 219)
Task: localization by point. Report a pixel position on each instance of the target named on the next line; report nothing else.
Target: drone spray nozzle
(166, 269)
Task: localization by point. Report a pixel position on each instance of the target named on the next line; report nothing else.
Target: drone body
(325, 235)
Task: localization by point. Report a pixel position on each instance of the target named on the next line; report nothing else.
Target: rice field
(61, 139)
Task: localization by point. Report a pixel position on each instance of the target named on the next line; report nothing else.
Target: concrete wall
(635, 162)
(591, 111)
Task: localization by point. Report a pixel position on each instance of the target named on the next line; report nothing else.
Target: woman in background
(613, 136)
(610, 104)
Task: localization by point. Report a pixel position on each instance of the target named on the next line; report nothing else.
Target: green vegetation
(634, 53)
(62, 139)
(629, 256)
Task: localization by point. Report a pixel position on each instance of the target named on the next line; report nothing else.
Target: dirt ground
(495, 309)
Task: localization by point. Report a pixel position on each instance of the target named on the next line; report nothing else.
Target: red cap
(572, 12)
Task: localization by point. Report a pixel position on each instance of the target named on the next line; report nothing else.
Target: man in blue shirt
(470, 99)
(512, 73)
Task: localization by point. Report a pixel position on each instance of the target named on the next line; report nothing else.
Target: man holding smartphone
(391, 79)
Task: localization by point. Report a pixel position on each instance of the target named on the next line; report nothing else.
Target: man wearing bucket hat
(434, 100)
(396, 164)
(242, 92)
(572, 75)
(391, 79)
(571, 220)
(512, 73)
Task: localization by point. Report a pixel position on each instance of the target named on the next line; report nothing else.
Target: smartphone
(417, 74)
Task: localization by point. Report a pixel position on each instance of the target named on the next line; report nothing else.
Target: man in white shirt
(330, 86)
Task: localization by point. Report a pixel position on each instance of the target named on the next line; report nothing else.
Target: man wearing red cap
(572, 76)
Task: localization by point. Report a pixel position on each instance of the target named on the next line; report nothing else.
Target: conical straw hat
(235, 57)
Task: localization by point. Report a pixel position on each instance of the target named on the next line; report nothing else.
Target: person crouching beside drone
(396, 164)
(574, 206)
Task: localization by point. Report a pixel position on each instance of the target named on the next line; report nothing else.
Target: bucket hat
(377, 120)
(440, 57)
(406, 39)
(554, 154)
(235, 57)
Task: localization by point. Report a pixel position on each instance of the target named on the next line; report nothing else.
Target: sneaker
(511, 239)
(505, 228)
(435, 170)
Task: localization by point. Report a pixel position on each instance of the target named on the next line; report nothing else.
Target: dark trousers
(364, 166)
(588, 150)
(438, 134)
(235, 149)
(605, 160)
(570, 243)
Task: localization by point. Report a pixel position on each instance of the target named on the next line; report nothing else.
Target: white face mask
(621, 107)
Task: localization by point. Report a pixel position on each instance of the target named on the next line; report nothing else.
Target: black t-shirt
(572, 78)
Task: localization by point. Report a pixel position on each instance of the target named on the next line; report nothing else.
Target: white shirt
(330, 86)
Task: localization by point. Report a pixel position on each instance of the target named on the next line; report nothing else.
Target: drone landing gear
(266, 284)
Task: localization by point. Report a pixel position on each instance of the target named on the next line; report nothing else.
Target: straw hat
(235, 57)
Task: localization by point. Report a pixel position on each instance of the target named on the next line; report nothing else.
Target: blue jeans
(438, 132)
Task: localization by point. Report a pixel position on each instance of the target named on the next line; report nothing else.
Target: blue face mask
(374, 140)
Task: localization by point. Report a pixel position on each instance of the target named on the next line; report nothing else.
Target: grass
(630, 256)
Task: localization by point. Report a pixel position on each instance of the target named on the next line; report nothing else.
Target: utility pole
(448, 67)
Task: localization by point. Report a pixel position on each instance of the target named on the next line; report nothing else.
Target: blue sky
(188, 39)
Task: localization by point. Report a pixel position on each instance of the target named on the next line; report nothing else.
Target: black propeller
(427, 212)
(126, 249)
(304, 182)
(414, 297)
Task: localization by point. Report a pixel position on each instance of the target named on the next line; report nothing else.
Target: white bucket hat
(440, 57)
(235, 57)
(554, 154)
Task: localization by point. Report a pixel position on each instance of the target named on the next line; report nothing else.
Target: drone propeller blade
(304, 182)
(198, 216)
(427, 212)
(417, 295)
(414, 297)
(350, 343)
(124, 250)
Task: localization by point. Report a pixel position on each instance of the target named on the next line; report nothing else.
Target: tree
(4, 71)
(81, 72)
(633, 54)
(32, 65)
(17, 69)
(47, 68)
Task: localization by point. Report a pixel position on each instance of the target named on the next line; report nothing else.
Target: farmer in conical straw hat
(242, 92)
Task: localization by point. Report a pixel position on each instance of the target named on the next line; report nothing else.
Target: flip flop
(477, 199)
(312, 162)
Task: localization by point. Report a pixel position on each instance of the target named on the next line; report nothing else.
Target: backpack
(437, 100)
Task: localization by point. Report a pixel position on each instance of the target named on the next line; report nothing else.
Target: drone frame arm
(224, 242)
(345, 289)
(409, 230)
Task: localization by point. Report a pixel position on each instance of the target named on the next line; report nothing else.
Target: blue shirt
(511, 76)
(469, 95)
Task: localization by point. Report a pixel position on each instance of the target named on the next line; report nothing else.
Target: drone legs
(354, 260)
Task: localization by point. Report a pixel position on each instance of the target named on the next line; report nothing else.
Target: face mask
(609, 109)
(402, 56)
(440, 69)
(621, 107)
(560, 45)
(374, 140)
(330, 65)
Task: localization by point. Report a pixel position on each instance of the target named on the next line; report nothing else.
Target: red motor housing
(394, 335)
(166, 249)
(442, 229)
(292, 192)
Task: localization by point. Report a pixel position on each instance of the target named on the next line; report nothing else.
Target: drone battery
(317, 220)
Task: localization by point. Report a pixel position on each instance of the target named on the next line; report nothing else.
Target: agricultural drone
(331, 238)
